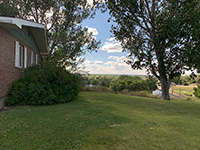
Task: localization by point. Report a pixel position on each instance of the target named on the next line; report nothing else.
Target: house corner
(2, 101)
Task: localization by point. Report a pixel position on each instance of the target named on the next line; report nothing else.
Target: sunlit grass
(103, 121)
(183, 91)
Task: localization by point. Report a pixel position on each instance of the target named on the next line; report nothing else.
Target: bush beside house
(44, 84)
(22, 44)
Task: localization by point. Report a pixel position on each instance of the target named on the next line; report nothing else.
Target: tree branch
(147, 6)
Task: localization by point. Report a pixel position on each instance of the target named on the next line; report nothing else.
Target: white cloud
(116, 65)
(93, 30)
(93, 62)
(90, 2)
(111, 67)
(98, 62)
(112, 63)
(113, 57)
(118, 59)
(112, 46)
(111, 39)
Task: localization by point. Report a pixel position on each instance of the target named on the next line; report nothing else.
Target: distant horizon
(118, 74)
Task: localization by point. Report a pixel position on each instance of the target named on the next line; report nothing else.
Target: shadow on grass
(81, 123)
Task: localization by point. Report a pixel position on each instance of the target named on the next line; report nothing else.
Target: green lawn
(183, 90)
(103, 121)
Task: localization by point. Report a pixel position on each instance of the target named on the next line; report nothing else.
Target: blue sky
(109, 59)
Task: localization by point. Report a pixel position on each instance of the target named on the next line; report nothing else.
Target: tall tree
(8, 8)
(67, 39)
(161, 36)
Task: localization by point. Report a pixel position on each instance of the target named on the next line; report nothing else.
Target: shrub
(150, 84)
(133, 84)
(197, 91)
(137, 85)
(94, 82)
(44, 84)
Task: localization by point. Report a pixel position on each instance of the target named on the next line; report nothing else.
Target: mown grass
(186, 92)
(184, 89)
(103, 121)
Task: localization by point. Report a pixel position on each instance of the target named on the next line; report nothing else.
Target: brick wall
(8, 71)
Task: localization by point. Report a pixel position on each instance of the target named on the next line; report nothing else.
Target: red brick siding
(8, 71)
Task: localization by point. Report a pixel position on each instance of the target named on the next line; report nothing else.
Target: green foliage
(94, 82)
(188, 79)
(137, 85)
(160, 36)
(44, 84)
(151, 84)
(101, 89)
(8, 9)
(198, 79)
(105, 81)
(100, 80)
(197, 91)
(67, 39)
(112, 85)
(120, 85)
(134, 83)
(177, 80)
(123, 77)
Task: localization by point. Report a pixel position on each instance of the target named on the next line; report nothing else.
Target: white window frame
(36, 59)
(33, 57)
(25, 57)
(19, 50)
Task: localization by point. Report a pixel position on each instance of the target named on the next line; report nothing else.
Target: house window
(34, 58)
(20, 55)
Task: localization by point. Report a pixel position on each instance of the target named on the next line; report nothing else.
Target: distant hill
(116, 75)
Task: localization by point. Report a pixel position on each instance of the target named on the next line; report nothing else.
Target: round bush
(44, 84)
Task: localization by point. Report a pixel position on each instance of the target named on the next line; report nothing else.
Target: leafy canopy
(67, 39)
(160, 36)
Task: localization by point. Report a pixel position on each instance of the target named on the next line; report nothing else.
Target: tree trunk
(165, 88)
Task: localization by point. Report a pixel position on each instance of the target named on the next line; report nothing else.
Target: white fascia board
(38, 30)
(4, 20)
(20, 22)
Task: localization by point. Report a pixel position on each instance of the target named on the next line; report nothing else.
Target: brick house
(22, 43)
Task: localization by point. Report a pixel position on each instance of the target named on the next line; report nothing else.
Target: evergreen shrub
(44, 84)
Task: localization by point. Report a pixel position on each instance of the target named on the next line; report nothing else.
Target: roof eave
(37, 30)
